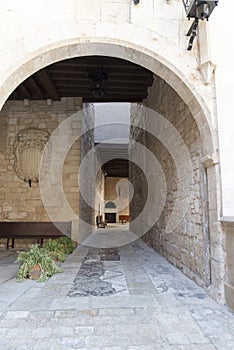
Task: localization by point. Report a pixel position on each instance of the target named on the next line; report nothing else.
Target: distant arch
(110, 205)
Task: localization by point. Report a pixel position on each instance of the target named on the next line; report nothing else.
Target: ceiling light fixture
(98, 82)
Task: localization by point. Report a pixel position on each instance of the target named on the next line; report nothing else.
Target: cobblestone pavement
(145, 303)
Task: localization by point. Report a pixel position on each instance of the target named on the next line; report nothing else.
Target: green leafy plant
(56, 249)
(68, 244)
(38, 258)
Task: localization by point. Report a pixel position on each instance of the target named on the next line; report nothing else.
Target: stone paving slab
(163, 309)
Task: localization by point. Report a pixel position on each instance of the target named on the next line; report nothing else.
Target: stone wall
(18, 201)
(228, 227)
(188, 246)
(87, 174)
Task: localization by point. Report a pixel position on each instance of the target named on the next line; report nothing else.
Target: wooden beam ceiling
(117, 168)
(48, 84)
(127, 82)
(114, 158)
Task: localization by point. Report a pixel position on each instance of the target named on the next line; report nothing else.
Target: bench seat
(38, 230)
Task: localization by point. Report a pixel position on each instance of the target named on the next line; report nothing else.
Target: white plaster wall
(222, 51)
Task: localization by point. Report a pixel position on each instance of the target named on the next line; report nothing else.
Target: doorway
(110, 218)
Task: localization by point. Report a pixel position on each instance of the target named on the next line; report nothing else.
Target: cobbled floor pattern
(152, 305)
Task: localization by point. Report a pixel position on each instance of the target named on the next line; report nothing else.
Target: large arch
(176, 76)
(156, 57)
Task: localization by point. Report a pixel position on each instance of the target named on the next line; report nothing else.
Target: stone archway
(129, 51)
(166, 70)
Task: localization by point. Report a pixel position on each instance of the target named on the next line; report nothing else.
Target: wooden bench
(123, 219)
(29, 230)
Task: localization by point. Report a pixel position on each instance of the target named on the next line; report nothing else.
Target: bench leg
(10, 243)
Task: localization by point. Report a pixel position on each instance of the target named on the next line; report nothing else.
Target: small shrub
(68, 244)
(56, 249)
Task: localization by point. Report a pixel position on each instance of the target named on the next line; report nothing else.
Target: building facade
(192, 90)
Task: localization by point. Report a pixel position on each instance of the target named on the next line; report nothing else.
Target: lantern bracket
(192, 33)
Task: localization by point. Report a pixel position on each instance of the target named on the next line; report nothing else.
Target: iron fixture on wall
(197, 9)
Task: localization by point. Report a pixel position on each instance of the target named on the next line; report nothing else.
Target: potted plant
(36, 263)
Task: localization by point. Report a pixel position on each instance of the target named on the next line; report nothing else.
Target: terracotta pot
(35, 273)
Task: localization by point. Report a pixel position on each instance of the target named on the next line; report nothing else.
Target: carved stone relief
(28, 149)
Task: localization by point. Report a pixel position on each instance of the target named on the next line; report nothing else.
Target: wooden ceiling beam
(137, 72)
(65, 93)
(116, 166)
(110, 86)
(81, 73)
(23, 91)
(120, 79)
(33, 86)
(48, 84)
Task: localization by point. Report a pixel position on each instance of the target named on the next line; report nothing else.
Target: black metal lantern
(197, 9)
(98, 82)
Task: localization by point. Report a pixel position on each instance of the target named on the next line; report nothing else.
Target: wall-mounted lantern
(197, 9)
